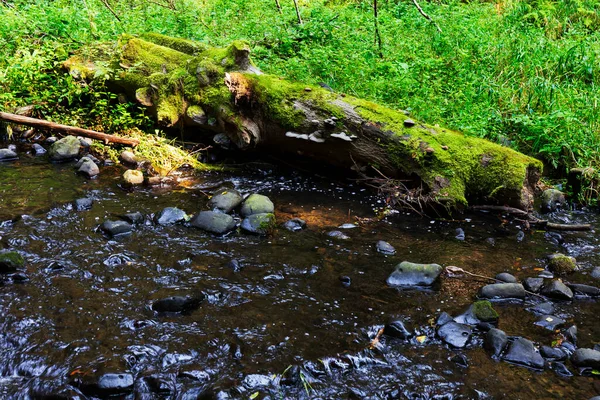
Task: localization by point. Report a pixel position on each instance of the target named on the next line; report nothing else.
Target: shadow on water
(280, 324)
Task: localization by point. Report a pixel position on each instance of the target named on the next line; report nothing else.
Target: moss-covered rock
(64, 149)
(261, 224)
(133, 177)
(561, 264)
(257, 204)
(10, 261)
(483, 311)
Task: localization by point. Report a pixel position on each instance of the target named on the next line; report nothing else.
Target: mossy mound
(483, 311)
(561, 264)
(10, 261)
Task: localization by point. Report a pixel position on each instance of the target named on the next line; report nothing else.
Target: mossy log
(219, 90)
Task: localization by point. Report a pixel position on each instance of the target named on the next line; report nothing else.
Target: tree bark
(219, 90)
(70, 130)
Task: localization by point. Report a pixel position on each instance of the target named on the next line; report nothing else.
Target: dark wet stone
(225, 200)
(546, 274)
(135, 218)
(561, 369)
(455, 334)
(214, 222)
(571, 333)
(51, 139)
(596, 273)
(411, 274)
(171, 215)
(506, 277)
(520, 236)
(552, 200)
(568, 347)
(177, 304)
(83, 204)
(10, 261)
(561, 264)
(159, 384)
(460, 234)
(38, 150)
(257, 204)
(554, 237)
(397, 329)
(495, 341)
(585, 290)
(64, 149)
(553, 353)
(115, 228)
(294, 224)
(484, 326)
(7, 155)
(409, 123)
(550, 322)
(338, 235)
(87, 167)
(460, 359)
(586, 358)
(503, 291)
(384, 247)
(19, 277)
(346, 281)
(557, 290)
(261, 224)
(443, 319)
(234, 265)
(128, 158)
(522, 351)
(533, 284)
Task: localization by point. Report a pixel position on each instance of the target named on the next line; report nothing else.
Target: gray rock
(338, 235)
(411, 274)
(533, 284)
(261, 224)
(596, 273)
(257, 204)
(586, 358)
(225, 200)
(115, 228)
(571, 333)
(133, 177)
(522, 351)
(584, 290)
(455, 334)
(223, 141)
(85, 142)
(128, 158)
(294, 224)
(385, 248)
(7, 155)
(460, 234)
(557, 290)
(133, 218)
(444, 318)
(553, 353)
(177, 304)
(256, 381)
(171, 215)
(460, 359)
(83, 204)
(38, 150)
(397, 329)
(552, 200)
(495, 341)
(550, 322)
(347, 226)
(88, 168)
(503, 291)
(543, 308)
(506, 277)
(561, 369)
(64, 149)
(51, 140)
(115, 384)
(214, 222)
(10, 261)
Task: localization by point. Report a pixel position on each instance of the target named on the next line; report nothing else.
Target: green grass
(519, 70)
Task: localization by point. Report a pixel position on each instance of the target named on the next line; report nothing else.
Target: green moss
(182, 45)
(561, 264)
(10, 261)
(483, 311)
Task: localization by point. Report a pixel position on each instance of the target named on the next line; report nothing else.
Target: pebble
(171, 215)
(460, 234)
(133, 177)
(88, 168)
(338, 235)
(346, 281)
(596, 273)
(116, 228)
(38, 150)
(385, 248)
(83, 204)
(133, 218)
(409, 123)
(294, 224)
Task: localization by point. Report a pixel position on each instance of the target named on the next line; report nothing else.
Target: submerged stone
(64, 149)
(503, 291)
(261, 224)
(483, 311)
(397, 329)
(177, 304)
(338, 235)
(550, 322)
(171, 215)
(585, 290)
(225, 200)
(133, 218)
(83, 204)
(38, 149)
(385, 248)
(455, 334)
(522, 351)
(294, 224)
(586, 358)
(115, 228)
(557, 290)
(257, 204)
(495, 341)
(215, 222)
(412, 274)
(10, 261)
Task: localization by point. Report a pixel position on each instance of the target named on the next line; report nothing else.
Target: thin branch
(105, 2)
(278, 7)
(298, 12)
(427, 17)
(377, 34)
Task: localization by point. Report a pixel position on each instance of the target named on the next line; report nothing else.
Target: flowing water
(282, 325)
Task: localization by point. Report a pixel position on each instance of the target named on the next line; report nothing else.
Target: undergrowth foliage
(521, 72)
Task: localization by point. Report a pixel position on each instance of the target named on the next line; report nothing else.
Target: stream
(293, 315)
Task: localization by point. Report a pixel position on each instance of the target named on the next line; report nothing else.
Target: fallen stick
(509, 210)
(70, 130)
(533, 220)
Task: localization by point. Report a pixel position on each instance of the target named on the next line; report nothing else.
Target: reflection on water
(282, 324)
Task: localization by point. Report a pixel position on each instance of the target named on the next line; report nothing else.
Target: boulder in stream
(7, 155)
(214, 222)
(503, 291)
(116, 228)
(87, 167)
(533, 284)
(522, 352)
(561, 264)
(257, 204)
(397, 329)
(384, 247)
(260, 224)
(584, 290)
(64, 149)
(586, 358)
(495, 341)
(178, 304)
(10, 261)
(412, 274)
(557, 290)
(550, 322)
(133, 177)
(225, 200)
(506, 277)
(171, 215)
(294, 224)
(455, 334)
(552, 200)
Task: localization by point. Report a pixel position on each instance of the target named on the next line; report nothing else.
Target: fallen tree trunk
(70, 130)
(218, 90)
